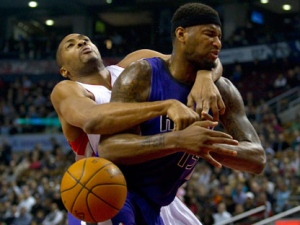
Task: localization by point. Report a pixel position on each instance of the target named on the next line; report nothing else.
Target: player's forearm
(250, 157)
(139, 149)
(218, 71)
(115, 117)
(213, 74)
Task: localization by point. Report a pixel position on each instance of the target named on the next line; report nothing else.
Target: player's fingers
(222, 140)
(180, 125)
(212, 161)
(201, 106)
(224, 151)
(221, 150)
(190, 103)
(215, 112)
(177, 126)
(206, 116)
(206, 124)
(221, 106)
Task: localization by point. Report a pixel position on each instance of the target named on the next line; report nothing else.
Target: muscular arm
(75, 107)
(251, 156)
(131, 148)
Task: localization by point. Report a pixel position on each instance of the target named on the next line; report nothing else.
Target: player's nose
(81, 43)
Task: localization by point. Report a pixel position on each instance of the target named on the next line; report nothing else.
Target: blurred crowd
(118, 43)
(29, 186)
(30, 180)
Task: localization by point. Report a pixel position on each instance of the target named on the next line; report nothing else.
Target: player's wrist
(204, 73)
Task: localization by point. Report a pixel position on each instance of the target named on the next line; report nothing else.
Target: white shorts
(177, 213)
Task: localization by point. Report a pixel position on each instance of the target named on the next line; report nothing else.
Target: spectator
(54, 217)
(249, 202)
(237, 73)
(239, 208)
(239, 194)
(24, 217)
(280, 82)
(6, 153)
(263, 200)
(39, 217)
(291, 79)
(27, 201)
(280, 144)
(10, 213)
(282, 195)
(222, 214)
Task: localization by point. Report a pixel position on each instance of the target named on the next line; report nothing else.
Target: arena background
(261, 56)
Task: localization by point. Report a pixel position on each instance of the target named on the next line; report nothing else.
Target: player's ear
(64, 72)
(180, 34)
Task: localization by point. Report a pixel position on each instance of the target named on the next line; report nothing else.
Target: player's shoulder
(139, 67)
(224, 83)
(65, 84)
(65, 87)
(228, 90)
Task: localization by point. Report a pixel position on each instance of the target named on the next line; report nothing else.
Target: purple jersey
(160, 179)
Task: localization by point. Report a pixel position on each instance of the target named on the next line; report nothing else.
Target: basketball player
(153, 168)
(76, 102)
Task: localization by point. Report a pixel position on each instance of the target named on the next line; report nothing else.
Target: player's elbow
(261, 161)
(96, 126)
(91, 127)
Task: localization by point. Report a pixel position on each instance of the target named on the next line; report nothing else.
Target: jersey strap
(79, 145)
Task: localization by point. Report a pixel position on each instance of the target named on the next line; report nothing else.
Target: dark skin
(196, 139)
(191, 45)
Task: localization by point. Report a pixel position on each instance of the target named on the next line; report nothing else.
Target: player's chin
(209, 64)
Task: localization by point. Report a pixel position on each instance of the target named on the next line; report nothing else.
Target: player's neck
(101, 77)
(181, 70)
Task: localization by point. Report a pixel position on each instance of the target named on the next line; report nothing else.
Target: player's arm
(131, 148)
(251, 156)
(204, 95)
(76, 106)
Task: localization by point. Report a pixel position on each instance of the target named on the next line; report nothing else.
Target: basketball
(93, 189)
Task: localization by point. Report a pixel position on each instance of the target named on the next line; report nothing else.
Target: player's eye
(70, 45)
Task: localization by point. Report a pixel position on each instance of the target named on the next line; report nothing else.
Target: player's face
(203, 44)
(77, 50)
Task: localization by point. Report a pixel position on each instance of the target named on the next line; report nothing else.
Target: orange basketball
(93, 189)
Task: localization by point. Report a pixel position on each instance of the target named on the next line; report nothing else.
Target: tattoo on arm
(157, 141)
(133, 84)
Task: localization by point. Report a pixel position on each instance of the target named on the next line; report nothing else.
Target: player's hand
(181, 115)
(205, 96)
(197, 139)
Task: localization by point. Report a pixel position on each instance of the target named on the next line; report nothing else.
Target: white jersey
(101, 95)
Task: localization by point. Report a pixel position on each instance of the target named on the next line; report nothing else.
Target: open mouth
(86, 50)
(214, 54)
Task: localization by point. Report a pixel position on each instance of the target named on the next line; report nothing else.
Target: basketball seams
(100, 198)
(83, 186)
(86, 199)
(79, 179)
(107, 203)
